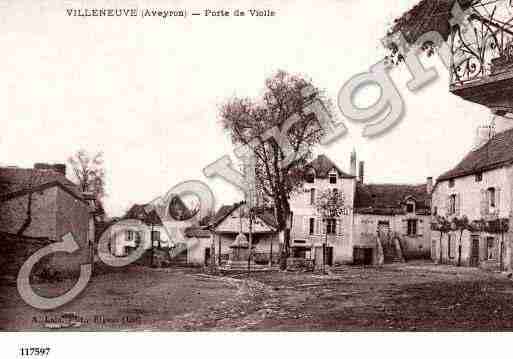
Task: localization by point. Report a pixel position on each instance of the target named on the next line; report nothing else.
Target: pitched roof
(497, 152)
(265, 214)
(389, 198)
(138, 211)
(427, 15)
(223, 212)
(177, 209)
(322, 165)
(197, 232)
(20, 181)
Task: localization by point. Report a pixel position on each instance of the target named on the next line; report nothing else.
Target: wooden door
(329, 256)
(207, 256)
(474, 252)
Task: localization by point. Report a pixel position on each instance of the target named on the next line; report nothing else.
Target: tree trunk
(459, 250)
(441, 235)
(282, 214)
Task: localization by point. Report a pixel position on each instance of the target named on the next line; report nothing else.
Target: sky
(146, 91)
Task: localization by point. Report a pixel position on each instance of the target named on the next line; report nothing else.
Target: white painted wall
(303, 210)
(469, 192)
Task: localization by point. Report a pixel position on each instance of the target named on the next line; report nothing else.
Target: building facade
(41, 202)
(478, 190)
(371, 217)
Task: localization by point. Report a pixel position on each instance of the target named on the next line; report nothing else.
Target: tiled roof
(18, 181)
(389, 198)
(497, 152)
(177, 209)
(323, 165)
(265, 215)
(197, 232)
(426, 16)
(224, 212)
(138, 211)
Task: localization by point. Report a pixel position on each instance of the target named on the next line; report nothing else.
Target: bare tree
(249, 121)
(89, 172)
(330, 206)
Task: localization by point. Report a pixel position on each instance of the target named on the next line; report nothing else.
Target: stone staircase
(392, 252)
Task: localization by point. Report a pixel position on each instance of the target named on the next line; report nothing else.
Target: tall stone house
(481, 72)
(41, 203)
(371, 214)
(479, 188)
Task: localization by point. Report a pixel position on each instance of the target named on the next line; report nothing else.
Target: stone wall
(13, 214)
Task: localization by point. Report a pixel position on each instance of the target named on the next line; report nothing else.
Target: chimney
(360, 172)
(483, 135)
(60, 167)
(429, 185)
(352, 163)
(500, 122)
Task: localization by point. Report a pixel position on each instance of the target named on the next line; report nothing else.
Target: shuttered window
(311, 226)
(412, 227)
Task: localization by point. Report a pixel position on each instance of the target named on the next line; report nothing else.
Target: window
(451, 183)
(312, 195)
(333, 178)
(449, 247)
(452, 204)
(491, 197)
(435, 211)
(479, 177)
(310, 177)
(331, 226)
(312, 226)
(490, 248)
(410, 207)
(155, 238)
(412, 227)
(335, 192)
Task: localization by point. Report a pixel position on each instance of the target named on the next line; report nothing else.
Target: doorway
(474, 251)
(329, 256)
(207, 256)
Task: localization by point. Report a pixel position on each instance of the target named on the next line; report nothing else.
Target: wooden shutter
(306, 225)
(457, 203)
(447, 205)
(484, 202)
(323, 226)
(339, 226)
(498, 199)
(405, 226)
(317, 226)
(420, 227)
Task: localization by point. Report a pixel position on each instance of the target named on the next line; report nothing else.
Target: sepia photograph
(340, 169)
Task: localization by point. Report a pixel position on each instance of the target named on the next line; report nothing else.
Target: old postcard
(278, 166)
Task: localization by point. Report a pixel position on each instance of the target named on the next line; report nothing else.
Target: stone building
(231, 220)
(398, 214)
(478, 188)
(41, 202)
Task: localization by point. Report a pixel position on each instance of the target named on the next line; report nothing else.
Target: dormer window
(333, 178)
(479, 177)
(410, 207)
(310, 176)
